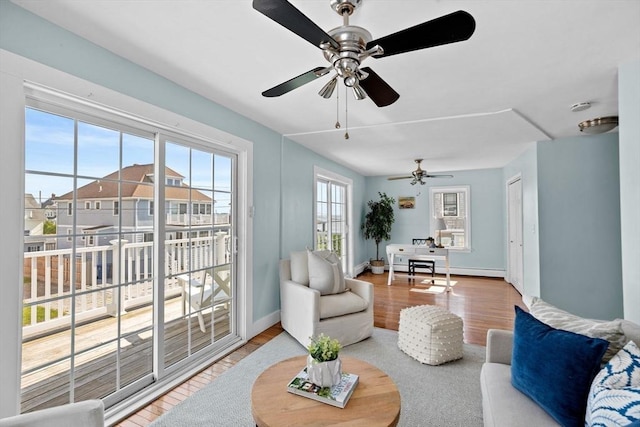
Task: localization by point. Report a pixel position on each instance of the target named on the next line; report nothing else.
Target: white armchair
(304, 312)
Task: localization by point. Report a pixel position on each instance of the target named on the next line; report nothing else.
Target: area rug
(445, 395)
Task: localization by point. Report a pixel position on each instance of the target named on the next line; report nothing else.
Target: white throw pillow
(560, 319)
(325, 272)
(299, 267)
(614, 398)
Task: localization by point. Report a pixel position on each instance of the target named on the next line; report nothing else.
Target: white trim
(480, 272)
(513, 179)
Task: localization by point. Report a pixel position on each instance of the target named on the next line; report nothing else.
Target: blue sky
(49, 153)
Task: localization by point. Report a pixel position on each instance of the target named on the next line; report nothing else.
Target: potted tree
(377, 226)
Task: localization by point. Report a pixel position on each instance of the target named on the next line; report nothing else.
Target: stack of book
(337, 395)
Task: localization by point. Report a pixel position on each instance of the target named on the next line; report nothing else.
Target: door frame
(511, 275)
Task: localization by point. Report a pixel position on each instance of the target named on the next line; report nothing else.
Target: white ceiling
(469, 105)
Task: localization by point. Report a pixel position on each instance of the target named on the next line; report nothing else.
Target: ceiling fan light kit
(347, 46)
(598, 125)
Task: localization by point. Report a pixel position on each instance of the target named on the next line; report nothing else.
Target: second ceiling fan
(347, 46)
(419, 175)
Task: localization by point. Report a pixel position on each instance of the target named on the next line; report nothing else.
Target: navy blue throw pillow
(555, 368)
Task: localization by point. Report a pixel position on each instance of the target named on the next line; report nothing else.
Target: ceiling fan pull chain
(346, 115)
(338, 108)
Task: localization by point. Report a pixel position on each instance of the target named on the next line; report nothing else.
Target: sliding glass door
(129, 254)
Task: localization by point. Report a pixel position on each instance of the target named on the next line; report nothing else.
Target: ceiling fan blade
(392, 178)
(377, 89)
(286, 14)
(294, 83)
(451, 28)
(439, 176)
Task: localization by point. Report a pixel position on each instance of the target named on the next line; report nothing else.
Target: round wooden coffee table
(374, 402)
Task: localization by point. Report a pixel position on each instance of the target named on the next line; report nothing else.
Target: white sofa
(504, 405)
(88, 413)
(304, 313)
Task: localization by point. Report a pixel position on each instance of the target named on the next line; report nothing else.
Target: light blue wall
(297, 198)
(487, 215)
(526, 166)
(579, 214)
(629, 111)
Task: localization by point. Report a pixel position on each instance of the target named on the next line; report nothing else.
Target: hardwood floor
(482, 303)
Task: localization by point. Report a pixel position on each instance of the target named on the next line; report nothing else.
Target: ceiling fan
(347, 46)
(418, 175)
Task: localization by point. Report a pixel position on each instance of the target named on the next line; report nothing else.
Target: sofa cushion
(341, 304)
(555, 368)
(502, 405)
(560, 319)
(614, 398)
(325, 272)
(299, 267)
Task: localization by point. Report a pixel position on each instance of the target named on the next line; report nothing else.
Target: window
(151, 208)
(69, 209)
(449, 221)
(98, 205)
(332, 209)
(116, 207)
(87, 206)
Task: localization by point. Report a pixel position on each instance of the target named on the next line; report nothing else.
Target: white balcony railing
(107, 279)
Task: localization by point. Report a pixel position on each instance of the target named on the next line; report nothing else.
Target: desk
(418, 252)
(375, 401)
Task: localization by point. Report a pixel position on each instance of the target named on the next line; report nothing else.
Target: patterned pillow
(614, 398)
(325, 272)
(560, 319)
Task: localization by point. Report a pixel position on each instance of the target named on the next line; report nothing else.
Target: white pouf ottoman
(430, 334)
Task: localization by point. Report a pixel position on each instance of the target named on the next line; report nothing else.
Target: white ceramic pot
(375, 269)
(324, 374)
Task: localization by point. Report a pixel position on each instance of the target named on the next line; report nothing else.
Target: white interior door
(515, 273)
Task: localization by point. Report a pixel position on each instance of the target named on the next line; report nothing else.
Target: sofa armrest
(499, 346)
(88, 413)
(299, 304)
(361, 288)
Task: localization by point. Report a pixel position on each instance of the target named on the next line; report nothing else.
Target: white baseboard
(360, 268)
(482, 272)
(263, 324)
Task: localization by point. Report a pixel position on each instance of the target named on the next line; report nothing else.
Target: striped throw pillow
(560, 319)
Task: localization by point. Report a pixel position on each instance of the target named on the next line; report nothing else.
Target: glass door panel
(86, 266)
(198, 256)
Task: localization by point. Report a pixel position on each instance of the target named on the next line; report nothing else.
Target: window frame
(320, 174)
(464, 213)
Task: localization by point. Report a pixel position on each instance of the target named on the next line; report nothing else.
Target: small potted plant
(323, 364)
(377, 226)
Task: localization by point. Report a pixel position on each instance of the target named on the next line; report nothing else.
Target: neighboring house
(123, 200)
(35, 215)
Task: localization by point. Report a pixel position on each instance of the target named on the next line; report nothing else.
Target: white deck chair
(195, 292)
(201, 289)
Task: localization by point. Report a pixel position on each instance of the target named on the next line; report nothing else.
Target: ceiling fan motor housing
(346, 61)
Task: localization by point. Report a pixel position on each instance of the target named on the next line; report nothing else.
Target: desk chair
(429, 265)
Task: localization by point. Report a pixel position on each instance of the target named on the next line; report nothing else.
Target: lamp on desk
(439, 226)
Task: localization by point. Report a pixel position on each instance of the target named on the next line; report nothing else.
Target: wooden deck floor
(96, 368)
